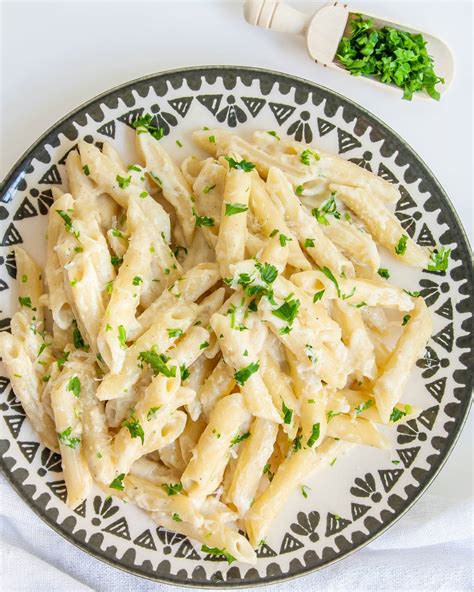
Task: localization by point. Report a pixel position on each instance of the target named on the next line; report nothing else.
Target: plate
(364, 492)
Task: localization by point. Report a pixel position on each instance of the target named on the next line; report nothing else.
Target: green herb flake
(208, 188)
(406, 320)
(184, 372)
(137, 281)
(243, 165)
(122, 336)
(175, 332)
(439, 259)
(143, 124)
(318, 295)
(305, 156)
(152, 412)
(315, 432)
(157, 362)
(413, 294)
(273, 232)
(86, 170)
(267, 471)
(175, 517)
(172, 488)
(218, 552)
(332, 414)
(116, 261)
(74, 386)
(66, 439)
(117, 483)
(364, 406)
(384, 273)
(397, 413)
(288, 311)
(202, 221)
(299, 190)
(329, 207)
(284, 239)
(134, 427)
(401, 246)
(242, 375)
(25, 301)
(204, 344)
(235, 208)
(68, 223)
(179, 144)
(123, 182)
(333, 462)
(304, 491)
(239, 438)
(287, 413)
(212, 139)
(62, 359)
(274, 134)
(309, 243)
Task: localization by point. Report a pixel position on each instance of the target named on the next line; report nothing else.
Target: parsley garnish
(65, 438)
(204, 344)
(62, 359)
(207, 189)
(390, 55)
(242, 375)
(268, 272)
(299, 190)
(174, 332)
(384, 273)
(318, 295)
(134, 427)
(137, 281)
(235, 208)
(74, 386)
(412, 294)
(25, 301)
(332, 414)
(274, 134)
(143, 124)
(215, 551)
(68, 223)
(122, 336)
(363, 406)
(314, 435)
(267, 471)
(304, 490)
(239, 438)
(287, 413)
(157, 363)
(273, 232)
(243, 165)
(176, 517)
(284, 239)
(116, 261)
(397, 414)
(306, 155)
(297, 442)
(117, 483)
(152, 412)
(172, 488)
(401, 247)
(309, 243)
(288, 311)
(440, 259)
(203, 220)
(86, 170)
(123, 182)
(185, 373)
(405, 320)
(329, 207)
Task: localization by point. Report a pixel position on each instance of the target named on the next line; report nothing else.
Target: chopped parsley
(212, 139)
(117, 483)
(364, 406)
(287, 413)
(273, 232)
(66, 439)
(216, 551)
(268, 272)
(179, 144)
(397, 414)
(439, 259)
(318, 295)
(332, 414)
(401, 246)
(134, 427)
(329, 207)
(242, 375)
(86, 170)
(309, 243)
(284, 239)
(25, 301)
(24, 279)
(239, 438)
(143, 124)
(299, 190)
(315, 432)
(174, 332)
(74, 386)
(184, 372)
(176, 517)
(267, 471)
(412, 294)
(157, 362)
(137, 281)
(68, 223)
(304, 490)
(207, 189)
(235, 208)
(152, 412)
(305, 156)
(122, 336)
(274, 134)
(243, 165)
(62, 359)
(390, 55)
(383, 273)
(77, 339)
(204, 344)
(172, 488)
(405, 320)
(288, 311)
(116, 261)
(203, 220)
(123, 182)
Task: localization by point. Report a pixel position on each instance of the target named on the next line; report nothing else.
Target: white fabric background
(55, 55)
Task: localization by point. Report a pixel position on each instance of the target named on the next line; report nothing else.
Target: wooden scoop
(327, 26)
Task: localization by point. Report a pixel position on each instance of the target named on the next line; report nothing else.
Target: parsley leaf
(116, 261)
(397, 414)
(267, 471)
(122, 336)
(242, 375)
(239, 438)
(123, 182)
(332, 414)
(314, 435)
(284, 239)
(157, 363)
(405, 320)
(309, 243)
(414, 294)
(216, 551)
(243, 165)
(288, 311)
(207, 189)
(305, 156)
(268, 272)
(203, 220)
(65, 438)
(318, 295)
(117, 483)
(363, 406)
(25, 301)
(329, 207)
(299, 190)
(287, 413)
(172, 488)
(86, 170)
(137, 280)
(143, 124)
(185, 373)
(384, 273)
(135, 429)
(440, 259)
(235, 208)
(304, 490)
(274, 134)
(152, 412)
(74, 386)
(62, 359)
(176, 517)
(174, 332)
(401, 247)
(68, 223)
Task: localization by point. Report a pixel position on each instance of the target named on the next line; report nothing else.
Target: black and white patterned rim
(375, 498)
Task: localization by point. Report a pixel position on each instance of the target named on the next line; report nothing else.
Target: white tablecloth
(430, 548)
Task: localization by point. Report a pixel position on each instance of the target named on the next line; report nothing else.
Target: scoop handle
(275, 16)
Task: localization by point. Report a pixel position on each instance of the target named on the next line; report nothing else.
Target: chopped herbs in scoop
(389, 55)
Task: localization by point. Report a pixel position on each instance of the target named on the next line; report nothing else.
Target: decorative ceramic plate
(364, 492)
